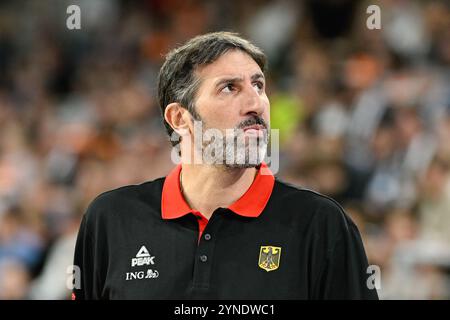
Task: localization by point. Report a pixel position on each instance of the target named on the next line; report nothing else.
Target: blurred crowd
(364, 117)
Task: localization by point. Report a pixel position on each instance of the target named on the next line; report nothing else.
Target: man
(219, 226)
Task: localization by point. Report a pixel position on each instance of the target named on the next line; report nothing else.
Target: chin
(242, 165)
(243, 160)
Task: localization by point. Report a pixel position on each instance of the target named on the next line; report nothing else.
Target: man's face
(232, 96)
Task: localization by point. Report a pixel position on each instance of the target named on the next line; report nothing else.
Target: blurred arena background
(364, 117)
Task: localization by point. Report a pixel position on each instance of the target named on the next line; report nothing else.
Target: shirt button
(207, 237)
(203, 258)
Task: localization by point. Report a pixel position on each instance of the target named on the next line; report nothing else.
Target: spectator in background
(434, 202)
(14, 280)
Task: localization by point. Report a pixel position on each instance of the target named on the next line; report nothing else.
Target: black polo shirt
(276, 242)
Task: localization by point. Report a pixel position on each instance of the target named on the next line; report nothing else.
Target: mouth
(254, 128)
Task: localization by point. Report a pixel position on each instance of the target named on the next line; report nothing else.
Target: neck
(206, 188)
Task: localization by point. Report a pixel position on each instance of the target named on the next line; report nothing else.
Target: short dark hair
(177, 81)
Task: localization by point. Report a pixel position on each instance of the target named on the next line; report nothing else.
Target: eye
(259, 85)
(229, 87)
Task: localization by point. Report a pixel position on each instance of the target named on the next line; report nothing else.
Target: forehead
(232, 63)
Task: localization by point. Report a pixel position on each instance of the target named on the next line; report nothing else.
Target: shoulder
(296, 195)
(126, 199)
(309, 204)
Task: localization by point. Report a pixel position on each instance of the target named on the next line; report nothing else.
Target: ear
(178, 118)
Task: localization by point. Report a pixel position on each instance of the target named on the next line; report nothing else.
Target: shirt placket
(205, 251)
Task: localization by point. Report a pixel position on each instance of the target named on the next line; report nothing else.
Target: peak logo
(143, 257)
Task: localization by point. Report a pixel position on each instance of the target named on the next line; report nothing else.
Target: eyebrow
(254, 77)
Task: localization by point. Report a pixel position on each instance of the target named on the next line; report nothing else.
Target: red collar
(251, 204)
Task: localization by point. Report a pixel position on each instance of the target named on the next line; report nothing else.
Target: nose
(252, 102)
